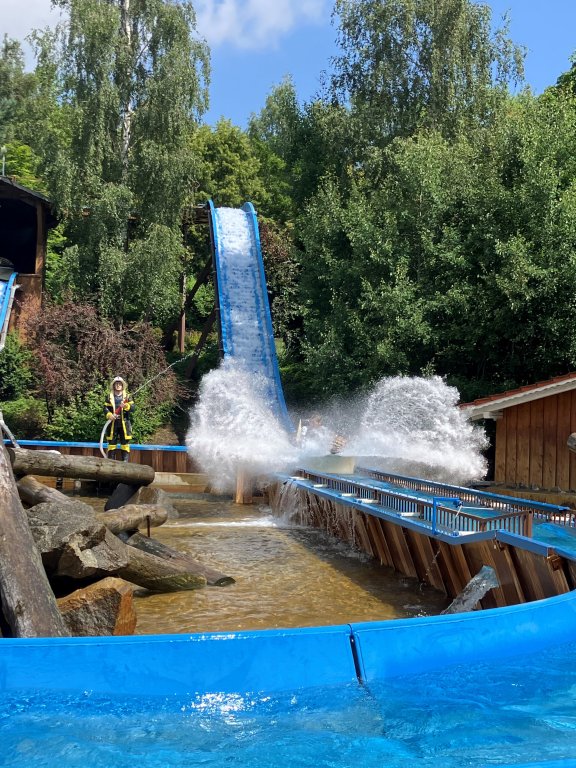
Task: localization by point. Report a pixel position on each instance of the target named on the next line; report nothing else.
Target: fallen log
(158, 575)
(28, 603)
(54, 464)
(103, 608)
(33, 492)
(213, 577)
(130, 517)
(75, 544)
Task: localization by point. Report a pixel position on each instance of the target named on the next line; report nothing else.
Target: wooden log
(130, 517)
(33, 492)
(28, 603)
(213, 577)
(158, 575)
(103, 608)
(74, 544)
(54, 464)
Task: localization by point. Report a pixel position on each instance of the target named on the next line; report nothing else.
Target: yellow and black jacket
(120, 430)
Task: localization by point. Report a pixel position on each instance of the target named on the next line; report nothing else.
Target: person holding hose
(118, 409)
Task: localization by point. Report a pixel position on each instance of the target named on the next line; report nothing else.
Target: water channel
(285, 576)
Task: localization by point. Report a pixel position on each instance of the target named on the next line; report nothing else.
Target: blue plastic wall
(412, 646)
(271, 660)
(283, 660)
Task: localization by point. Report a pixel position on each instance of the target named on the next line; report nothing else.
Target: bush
(16, 377)
(82, 418)
(25, 417)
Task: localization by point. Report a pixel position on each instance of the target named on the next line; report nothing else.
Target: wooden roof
(10, 189)
(492, 406)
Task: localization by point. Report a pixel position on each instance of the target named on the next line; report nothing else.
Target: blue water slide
(244, 310)
(7, 288)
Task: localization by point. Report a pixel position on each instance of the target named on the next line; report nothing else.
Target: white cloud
(246, 24)
(19, 17)
(252, 24)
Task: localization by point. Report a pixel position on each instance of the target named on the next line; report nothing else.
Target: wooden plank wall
(523, 575)
(531, 448)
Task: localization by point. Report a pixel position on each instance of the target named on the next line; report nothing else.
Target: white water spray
(233, 429)
(406, 425)
(415, 424)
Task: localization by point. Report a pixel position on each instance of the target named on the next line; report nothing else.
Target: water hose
(146, 383)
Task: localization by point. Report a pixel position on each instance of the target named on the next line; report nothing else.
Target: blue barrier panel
(412, 646)
(267, 660)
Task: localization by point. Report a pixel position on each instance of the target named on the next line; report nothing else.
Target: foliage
(281, 279)
(22, 165)
(229, 171)
(76, 351)
(26, 417)
(16, 87)
(120, 88)
(432, 64)
(16, 376)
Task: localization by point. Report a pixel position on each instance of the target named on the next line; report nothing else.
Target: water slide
(246, 333)
(7, 291)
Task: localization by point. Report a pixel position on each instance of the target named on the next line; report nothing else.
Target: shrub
(25, 417)
(16, 375)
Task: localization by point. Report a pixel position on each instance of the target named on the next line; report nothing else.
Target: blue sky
(256, 43)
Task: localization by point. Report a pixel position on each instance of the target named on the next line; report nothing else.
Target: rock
(103, 608)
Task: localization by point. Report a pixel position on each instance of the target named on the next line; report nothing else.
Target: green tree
(16, 87)
(130, 86)
(230, 170)
(410, 64)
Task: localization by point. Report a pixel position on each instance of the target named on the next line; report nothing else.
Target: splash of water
(485, 580)
(233, 429)
(406, 425)
(415, 423)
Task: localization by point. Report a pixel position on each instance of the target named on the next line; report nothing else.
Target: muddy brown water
(285, 576)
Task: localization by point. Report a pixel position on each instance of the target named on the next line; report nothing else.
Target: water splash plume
(416, 421)
(232, 428)
(406, 425)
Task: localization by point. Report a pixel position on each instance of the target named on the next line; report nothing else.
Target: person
(313, 433)
(118, 408)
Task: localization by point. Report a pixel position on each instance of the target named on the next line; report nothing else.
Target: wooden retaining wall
(524, 575)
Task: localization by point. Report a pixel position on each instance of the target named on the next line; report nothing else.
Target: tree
(16, 87)
(129, 78)
(409, 64)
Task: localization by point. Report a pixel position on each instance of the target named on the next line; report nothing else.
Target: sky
(255, 44)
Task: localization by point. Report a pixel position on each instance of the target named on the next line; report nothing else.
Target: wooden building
(25, 218)
(533, 424)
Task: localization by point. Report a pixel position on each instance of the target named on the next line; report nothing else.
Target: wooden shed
(25, 218)
(533, 424)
